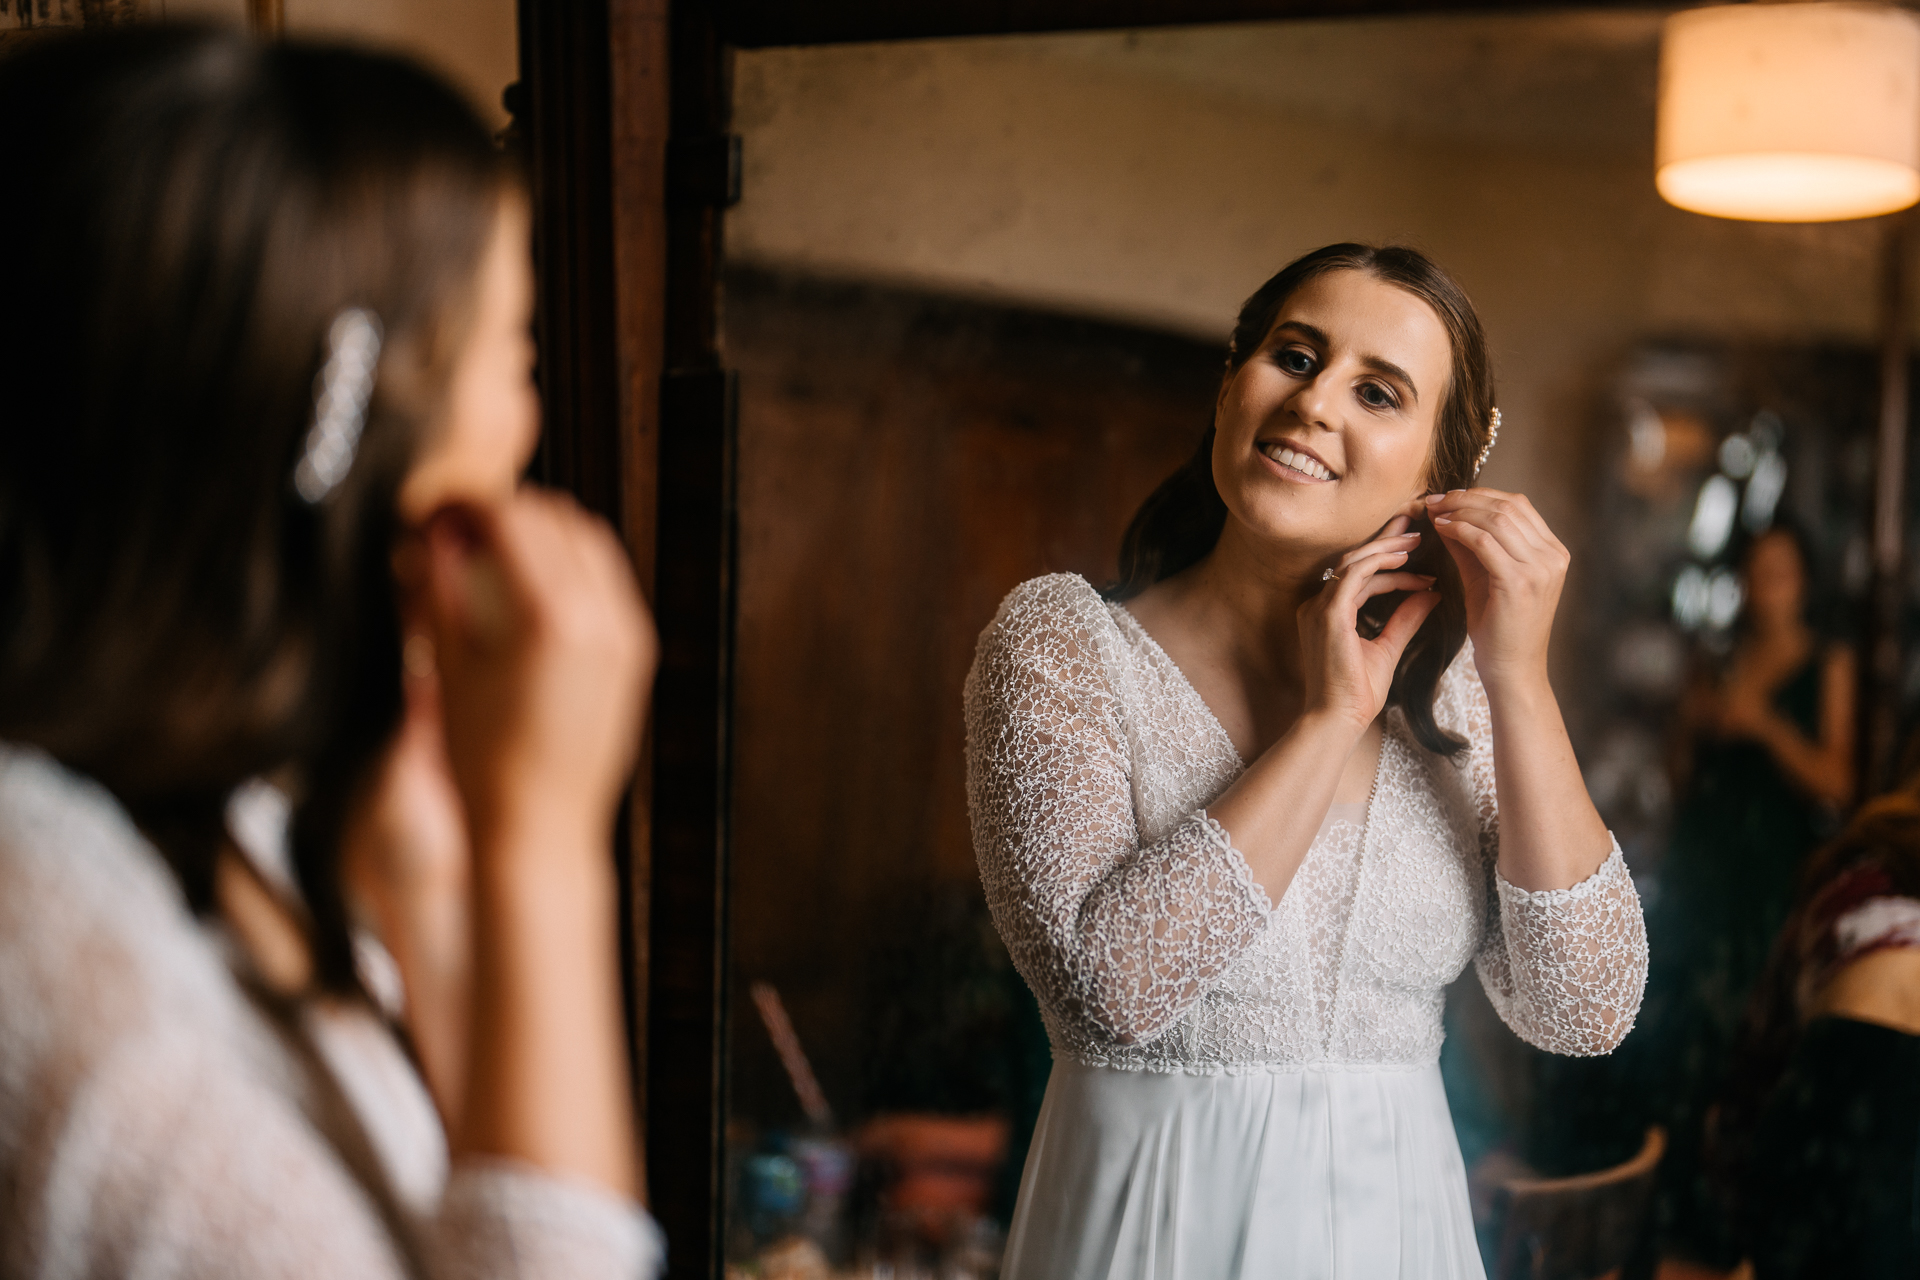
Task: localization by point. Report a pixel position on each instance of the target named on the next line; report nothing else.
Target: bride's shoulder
(1059, 613)
(1051, 602)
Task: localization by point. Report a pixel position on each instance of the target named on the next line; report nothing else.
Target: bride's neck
(1247, 594)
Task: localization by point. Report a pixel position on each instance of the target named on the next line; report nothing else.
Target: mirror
(977, 292)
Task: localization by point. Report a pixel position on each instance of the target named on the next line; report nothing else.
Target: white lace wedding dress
(1241, 1090)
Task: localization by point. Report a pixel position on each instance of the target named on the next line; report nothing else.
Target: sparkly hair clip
(1493, 434)
(340, 396)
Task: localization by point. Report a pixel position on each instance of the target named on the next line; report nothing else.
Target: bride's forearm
(1551, 836)
(1273, 810)
(547, 1080)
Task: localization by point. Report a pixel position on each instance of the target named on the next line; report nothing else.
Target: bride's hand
(1512, 568)
(1346, 674)
(545, 654)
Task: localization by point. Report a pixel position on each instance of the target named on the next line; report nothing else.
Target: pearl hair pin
(1493, 434)
(340, 395)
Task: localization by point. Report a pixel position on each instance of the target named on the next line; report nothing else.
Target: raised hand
(1344, 672)
(1513, 569)
(544, 651)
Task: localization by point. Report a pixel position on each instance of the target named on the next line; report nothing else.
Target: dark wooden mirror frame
(623, 113)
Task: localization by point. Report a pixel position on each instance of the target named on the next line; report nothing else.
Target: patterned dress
(1241, 1089)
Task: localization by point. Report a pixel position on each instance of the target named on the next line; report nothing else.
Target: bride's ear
(1430, 480)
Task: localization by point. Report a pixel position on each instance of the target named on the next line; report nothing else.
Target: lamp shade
(1790, 112)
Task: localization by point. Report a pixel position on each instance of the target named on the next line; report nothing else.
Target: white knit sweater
(158, 1121)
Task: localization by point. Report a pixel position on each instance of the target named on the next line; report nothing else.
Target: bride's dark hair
(187, 214)
(1179, 523)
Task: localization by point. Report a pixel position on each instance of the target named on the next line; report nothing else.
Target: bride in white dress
(1239, 836)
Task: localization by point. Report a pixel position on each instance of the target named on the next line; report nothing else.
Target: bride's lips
(1296, 462)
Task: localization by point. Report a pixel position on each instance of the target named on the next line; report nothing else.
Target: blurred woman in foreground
(268, 394)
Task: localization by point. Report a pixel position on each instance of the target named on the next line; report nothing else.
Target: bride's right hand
(545, 653)
(1345, 674)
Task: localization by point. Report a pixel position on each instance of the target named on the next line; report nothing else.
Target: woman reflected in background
(268, 395)
(1243, 818)
(1765, 748)
(1764, 757)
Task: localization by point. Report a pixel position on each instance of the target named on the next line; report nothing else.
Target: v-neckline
(1220, 729)
(1193, 692)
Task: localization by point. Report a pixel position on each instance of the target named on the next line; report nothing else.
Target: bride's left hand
(1513, 568)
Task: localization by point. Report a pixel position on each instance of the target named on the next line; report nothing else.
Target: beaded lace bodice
(1090, 760)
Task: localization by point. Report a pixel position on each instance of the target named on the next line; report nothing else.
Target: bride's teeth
(1299, 462)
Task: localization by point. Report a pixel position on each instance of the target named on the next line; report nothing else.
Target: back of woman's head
(1876, 855)
(1179, 523)
(185, 219)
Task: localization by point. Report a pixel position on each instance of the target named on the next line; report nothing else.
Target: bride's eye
(1295, 361)
(1375, 396)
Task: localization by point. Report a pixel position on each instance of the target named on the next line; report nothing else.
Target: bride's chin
(1289, 532)
(1292, 531)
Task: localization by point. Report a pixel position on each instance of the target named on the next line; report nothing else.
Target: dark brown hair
(1876, 854)
(1180, 522)
(185, 217)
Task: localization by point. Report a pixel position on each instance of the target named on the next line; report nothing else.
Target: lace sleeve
(1107, 931)
(1565, 968)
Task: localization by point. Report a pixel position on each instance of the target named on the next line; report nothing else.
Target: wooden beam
(590, 116)
(632, 388)
(693, 709)
(750, 24)
(266, 18)
(566, 94)
(1884, 664)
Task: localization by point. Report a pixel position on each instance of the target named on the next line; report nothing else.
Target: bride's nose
(1312, 403)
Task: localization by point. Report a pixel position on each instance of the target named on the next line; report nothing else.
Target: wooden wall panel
(904, 462)
(591, 120)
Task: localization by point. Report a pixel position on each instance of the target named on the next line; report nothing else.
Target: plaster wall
(1158, 177)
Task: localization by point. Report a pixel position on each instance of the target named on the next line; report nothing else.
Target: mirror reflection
(980, 294)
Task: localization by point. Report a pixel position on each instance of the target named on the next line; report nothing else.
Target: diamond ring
(1328, 575)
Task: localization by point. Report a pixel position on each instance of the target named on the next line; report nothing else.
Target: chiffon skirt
(1350, 1174)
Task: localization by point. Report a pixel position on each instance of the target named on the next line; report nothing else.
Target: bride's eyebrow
(1392, 370)
(1311, 333)
(1378, 364)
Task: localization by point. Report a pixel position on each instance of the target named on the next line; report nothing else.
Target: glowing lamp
(1790, 112)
